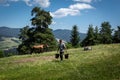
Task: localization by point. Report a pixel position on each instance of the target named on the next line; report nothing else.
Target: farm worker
(61, 48)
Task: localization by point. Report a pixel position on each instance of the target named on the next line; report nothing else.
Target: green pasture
(101, 63)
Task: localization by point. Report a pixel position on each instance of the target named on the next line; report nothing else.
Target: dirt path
(33, 59)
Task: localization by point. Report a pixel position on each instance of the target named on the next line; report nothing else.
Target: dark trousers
(61, 55)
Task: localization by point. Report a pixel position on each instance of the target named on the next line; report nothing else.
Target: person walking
(61, 48)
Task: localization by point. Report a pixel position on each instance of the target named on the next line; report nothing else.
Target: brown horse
(39, 48)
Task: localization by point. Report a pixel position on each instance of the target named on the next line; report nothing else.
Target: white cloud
(87, 1)
(72, 10)
(7, 2)
(41, 3)
(28, 2)
(80, 6)
(62, 12)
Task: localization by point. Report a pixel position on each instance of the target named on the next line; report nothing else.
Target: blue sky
(65, 13)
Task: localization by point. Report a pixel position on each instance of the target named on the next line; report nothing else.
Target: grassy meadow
(101, 63)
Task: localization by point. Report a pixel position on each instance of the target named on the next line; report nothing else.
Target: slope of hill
(101, 63)
(10, 42)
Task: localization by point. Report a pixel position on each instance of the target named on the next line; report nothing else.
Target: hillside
(101, 63)
(6, 42)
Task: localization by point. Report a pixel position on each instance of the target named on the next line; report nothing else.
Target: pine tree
(75, 38)
(89, 40)
(106, 33)
(96, 36)
(116, 36)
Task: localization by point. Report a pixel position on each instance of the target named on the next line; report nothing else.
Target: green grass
(102, 63)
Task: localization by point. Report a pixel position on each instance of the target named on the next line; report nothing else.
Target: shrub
(68, 45)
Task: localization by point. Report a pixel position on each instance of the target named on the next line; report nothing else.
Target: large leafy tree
(106, 33)
(40, 33)
(75, 38)
(41, 19)
(116, 36)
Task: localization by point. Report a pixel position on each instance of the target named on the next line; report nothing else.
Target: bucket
(56, 55)
(66, 56)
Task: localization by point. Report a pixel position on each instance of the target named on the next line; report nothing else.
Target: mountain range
(66, 34)
(59, 33)
(9, 32)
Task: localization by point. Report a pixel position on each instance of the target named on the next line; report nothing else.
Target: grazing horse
(39, 48)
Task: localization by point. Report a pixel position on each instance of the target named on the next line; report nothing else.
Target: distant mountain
(59, 33)
(65, 34)
(9, 32)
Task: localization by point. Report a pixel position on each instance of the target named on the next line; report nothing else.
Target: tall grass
(101, 63)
